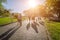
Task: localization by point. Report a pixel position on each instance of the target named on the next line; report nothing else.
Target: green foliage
(50, 2)
(2, 1)
(56, 7)
(6, 20)
(4, 12)
(1, 6)
(54, 29)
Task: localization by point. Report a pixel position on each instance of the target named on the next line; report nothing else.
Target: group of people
(33, 23)
(34, 19)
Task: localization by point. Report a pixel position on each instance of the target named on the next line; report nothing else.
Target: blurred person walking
(19, 19)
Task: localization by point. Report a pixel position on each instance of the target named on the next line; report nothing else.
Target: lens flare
(32, 3)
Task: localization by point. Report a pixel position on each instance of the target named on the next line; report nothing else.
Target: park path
(21, 33)
(3, 29)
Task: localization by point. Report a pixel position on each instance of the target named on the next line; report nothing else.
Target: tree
(4, 12)
(1, 1)
(38, 11)
(56, 6)
(1, 7)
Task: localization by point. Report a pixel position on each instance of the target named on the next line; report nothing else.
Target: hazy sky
(19, 5)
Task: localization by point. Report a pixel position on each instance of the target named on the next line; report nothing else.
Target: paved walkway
(14, 32)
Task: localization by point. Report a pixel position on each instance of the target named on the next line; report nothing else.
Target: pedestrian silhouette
(19, 19)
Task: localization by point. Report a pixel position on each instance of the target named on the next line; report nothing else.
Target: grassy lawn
(54, 29)
(6, 20)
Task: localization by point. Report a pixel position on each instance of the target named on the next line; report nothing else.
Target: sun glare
(32, 3)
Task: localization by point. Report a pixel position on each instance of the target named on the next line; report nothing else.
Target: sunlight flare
(32, 3)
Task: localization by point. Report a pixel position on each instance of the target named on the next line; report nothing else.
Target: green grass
(54, 29)
(5, 20)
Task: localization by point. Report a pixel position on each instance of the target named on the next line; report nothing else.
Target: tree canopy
(55, 5)
(2, 1)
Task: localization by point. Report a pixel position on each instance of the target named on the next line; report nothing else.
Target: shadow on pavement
(36, 23)
(34, 26)
(4, 34)
(42, 23)
(28, 26)
(10, 34)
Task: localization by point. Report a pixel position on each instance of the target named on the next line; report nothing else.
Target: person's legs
(20, 23)
(17, 22)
